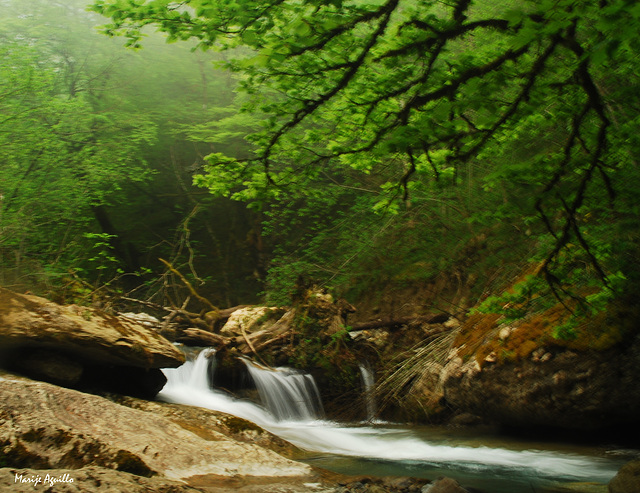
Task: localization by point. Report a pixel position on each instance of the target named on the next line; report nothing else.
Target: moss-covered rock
(521, 373)
(627, 480)
(492, 338)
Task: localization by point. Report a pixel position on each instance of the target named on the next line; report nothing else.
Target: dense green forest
(358, 144)
(98, 158)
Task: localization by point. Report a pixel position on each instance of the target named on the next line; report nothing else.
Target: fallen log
(399, 322)
(199, 337)
(268, 342)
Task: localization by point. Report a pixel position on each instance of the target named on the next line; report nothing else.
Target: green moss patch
(480, 336)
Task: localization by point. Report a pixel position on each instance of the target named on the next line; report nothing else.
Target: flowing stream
(293, 411)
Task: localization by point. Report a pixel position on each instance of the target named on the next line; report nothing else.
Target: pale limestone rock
(492, 357)
(505, 332)
(452, 323)
(87, 334)
(537, 354)
(247, 320)
(44, 426)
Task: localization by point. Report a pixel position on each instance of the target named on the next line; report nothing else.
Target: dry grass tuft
(406, 379)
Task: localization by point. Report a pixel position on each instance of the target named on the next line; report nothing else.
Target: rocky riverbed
(79, 431)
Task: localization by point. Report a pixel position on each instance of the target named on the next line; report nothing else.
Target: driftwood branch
(253, 349)
(173, 313)
(189, 286)
(148, 304)
(199, 337)
(266, 343)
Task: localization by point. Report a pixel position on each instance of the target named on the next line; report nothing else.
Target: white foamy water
(288, 394)
(368, 381)
(188, 385)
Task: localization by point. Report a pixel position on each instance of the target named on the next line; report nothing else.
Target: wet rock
(590, 392)
(627, 480)
(366, 484)
(548, 386)
(580, 487)
(444, 485)
(244, 484)
(376, 489)
(403, 484)
(203, 422)
(464, 420)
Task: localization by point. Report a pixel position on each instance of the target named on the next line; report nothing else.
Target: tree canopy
(528, 106)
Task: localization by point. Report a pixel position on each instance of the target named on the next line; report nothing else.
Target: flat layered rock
(43, 427)
(86, 334)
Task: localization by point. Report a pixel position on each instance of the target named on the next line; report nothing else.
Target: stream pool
(484, 460)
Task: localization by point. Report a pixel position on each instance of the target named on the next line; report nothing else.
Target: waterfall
(194, 373)
(368, 382)
(288, 394)
(190, 384)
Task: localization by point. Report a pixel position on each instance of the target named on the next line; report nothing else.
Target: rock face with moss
(71, 345)
(523, 374)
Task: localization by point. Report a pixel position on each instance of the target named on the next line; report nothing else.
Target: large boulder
(43, 426)
(82, 347)
(520, 375)
(627, 480)
(250, 319)
(88, 334)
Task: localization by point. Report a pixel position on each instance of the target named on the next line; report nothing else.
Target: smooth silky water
(293, 411)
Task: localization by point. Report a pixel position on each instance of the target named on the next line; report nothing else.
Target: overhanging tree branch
(311, 105)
